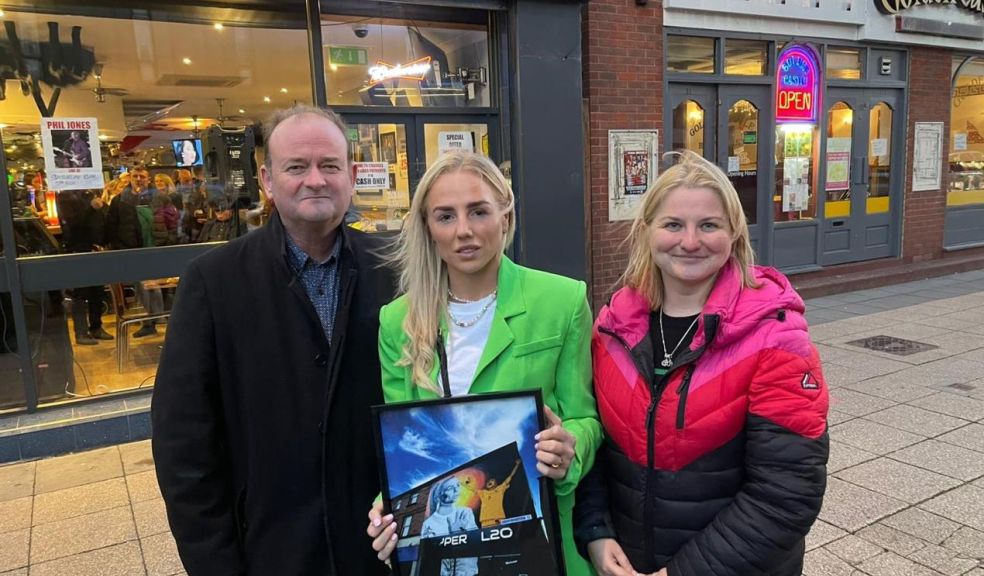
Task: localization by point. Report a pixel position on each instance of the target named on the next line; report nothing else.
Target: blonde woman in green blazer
(471, 321)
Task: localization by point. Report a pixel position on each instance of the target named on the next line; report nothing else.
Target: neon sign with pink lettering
(797, 85)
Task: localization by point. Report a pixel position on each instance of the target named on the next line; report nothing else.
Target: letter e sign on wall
(797, 85)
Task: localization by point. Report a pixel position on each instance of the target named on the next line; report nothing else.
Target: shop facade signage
(896, 6)
(797, 85)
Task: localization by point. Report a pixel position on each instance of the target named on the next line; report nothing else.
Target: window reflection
(745, 57)
(743, 142)
(688, 127)
(383, 62)
(692, 54)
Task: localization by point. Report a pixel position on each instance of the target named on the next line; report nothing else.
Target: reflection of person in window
(189, 153)
(492, 497)
(447, 517)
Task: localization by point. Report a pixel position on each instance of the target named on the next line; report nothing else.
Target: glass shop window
(690, 54)
(844, 63)
(745, 57)
(403, 63)
(966, 139)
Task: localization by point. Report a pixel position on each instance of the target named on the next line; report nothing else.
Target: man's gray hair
(278, 116)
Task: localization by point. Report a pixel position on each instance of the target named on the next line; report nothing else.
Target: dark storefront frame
(765, 240)
(550, 233)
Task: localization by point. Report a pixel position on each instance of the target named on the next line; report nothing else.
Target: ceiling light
(103, 137)
(241, 111)
(2, 126)
(186, 61)
(218, 26)
(266, 99)
(283, 90)
(1, 13)
(334, 67)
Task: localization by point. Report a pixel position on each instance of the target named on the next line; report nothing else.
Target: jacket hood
(739, 309)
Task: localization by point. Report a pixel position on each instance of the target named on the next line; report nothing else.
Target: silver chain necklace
(667, 360)
(474, 320)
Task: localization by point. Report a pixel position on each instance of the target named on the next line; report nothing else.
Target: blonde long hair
(423, 275)
(692, 171)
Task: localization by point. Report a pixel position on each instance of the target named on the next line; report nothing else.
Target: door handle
(857, 171)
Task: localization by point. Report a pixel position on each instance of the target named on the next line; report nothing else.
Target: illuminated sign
(896, 6)
(797, 85)
(411, 71)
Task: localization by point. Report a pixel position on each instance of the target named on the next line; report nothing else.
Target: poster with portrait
(459, 476)
(632, 168)
(71, 153)
(927, 156)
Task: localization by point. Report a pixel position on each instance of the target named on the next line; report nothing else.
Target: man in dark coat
(262, 435)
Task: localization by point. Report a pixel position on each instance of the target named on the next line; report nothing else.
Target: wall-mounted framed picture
(387, 145)
(459, 476)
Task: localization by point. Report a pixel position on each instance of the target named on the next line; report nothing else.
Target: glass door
(382, 147)
(693, 120)
(861, 175)
(440, 134)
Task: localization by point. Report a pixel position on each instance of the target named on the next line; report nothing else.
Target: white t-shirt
(465, 345)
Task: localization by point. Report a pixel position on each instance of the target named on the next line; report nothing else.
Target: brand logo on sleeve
(809, 382)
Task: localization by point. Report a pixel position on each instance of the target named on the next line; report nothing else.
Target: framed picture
(387, 145)
(459, 476)
(633, 162)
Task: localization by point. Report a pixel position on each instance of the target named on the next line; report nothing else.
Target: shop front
(810, 133)
(164, 100)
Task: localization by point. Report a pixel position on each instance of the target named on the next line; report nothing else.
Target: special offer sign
(797, 85)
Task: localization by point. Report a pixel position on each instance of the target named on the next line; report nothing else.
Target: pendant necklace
(474, 320)
(667, 360)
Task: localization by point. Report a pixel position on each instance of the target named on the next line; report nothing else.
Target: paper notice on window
(734, 164)
(879, 147)
(371, 176)
(449, 141)
(838, 163)
(959, 141)
(71, 153)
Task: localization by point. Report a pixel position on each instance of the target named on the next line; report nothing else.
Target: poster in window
(459, 476)
(387, 145)
(71, 153)
(632, 168)
(838, 164)
(927, 156)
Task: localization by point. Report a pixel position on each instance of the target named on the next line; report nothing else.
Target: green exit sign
(347, 56)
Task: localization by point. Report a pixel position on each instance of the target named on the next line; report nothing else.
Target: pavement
(905, 492)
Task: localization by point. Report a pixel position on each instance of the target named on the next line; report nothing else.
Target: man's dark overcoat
(262, 436)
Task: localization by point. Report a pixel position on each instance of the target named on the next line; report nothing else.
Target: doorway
(862, 180)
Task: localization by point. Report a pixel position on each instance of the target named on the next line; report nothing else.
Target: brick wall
(623, 89)
(929, 101)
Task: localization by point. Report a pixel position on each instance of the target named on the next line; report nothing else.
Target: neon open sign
(797, 85)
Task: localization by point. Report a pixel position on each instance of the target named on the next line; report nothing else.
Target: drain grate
(892, 345)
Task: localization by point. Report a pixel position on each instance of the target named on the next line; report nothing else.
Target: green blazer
(540, 336)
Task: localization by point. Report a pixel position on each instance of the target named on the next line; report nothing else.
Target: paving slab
(18, 572)
(967, 542)
(897, 387)
(82, 534)
(14, 547)
(161, 555)
(143, 486)
(821, 533)
(853, 550)
(78, 469)
(15, 514)
(80, 500)
(120, 560)
(835, 417)
(820, 562)
(137, 457)
(954, 461)
(891, 539)
(922, 524)
(916, 420)
(952, 405)
(17, 480)
(873, 437)
(845, 456)
(971, 437)
(943, 560)
(898, 480)
(851, 507)
(964, 504)
(151, 518)
(856, 403)
(891, 564)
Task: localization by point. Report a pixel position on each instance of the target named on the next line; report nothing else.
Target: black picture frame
(459, 476)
